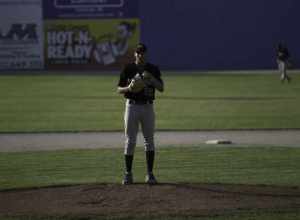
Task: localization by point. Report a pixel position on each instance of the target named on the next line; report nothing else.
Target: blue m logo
(21, 32)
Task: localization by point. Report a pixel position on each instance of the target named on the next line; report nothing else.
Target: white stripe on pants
(135, 115)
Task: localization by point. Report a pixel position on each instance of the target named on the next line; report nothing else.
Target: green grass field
(41, 103)
(199, 164)
(37, 103)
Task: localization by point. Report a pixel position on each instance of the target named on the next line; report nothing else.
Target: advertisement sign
(90, 34)
(21, 34)
(66, 9)
(90, 44)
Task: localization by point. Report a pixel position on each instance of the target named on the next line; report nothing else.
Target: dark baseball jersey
(128, 73)
(283, 54)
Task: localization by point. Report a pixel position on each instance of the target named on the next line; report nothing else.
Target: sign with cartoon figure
(91, 43)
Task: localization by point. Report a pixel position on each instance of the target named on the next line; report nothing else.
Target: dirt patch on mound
(141, 199)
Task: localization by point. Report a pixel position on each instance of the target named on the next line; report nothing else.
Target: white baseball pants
(135, 115)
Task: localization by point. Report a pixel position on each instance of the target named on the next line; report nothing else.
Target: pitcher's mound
(141, 199)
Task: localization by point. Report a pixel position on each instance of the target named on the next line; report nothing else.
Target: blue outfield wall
(219, 35)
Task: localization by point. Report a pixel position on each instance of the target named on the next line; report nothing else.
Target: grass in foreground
(37, 103)
(241, 165)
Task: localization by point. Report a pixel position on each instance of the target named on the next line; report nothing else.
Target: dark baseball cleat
(150, 179)
(128, 179)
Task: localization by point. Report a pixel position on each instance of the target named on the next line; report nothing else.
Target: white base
(218, 142)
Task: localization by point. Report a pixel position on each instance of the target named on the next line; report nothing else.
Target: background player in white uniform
(138, 82)
(283, 56)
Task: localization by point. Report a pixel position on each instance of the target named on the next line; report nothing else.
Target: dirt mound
(141, 199)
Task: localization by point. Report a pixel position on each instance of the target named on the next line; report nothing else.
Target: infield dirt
(140, 199)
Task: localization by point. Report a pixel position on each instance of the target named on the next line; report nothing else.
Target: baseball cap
(141, 48)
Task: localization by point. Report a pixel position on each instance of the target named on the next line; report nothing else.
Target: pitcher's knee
(149, 143)
(149, 146)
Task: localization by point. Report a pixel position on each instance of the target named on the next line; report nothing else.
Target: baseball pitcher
(138, 82)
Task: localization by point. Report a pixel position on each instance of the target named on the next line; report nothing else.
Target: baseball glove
(136, 85)
(147, 77)
(289, 64)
